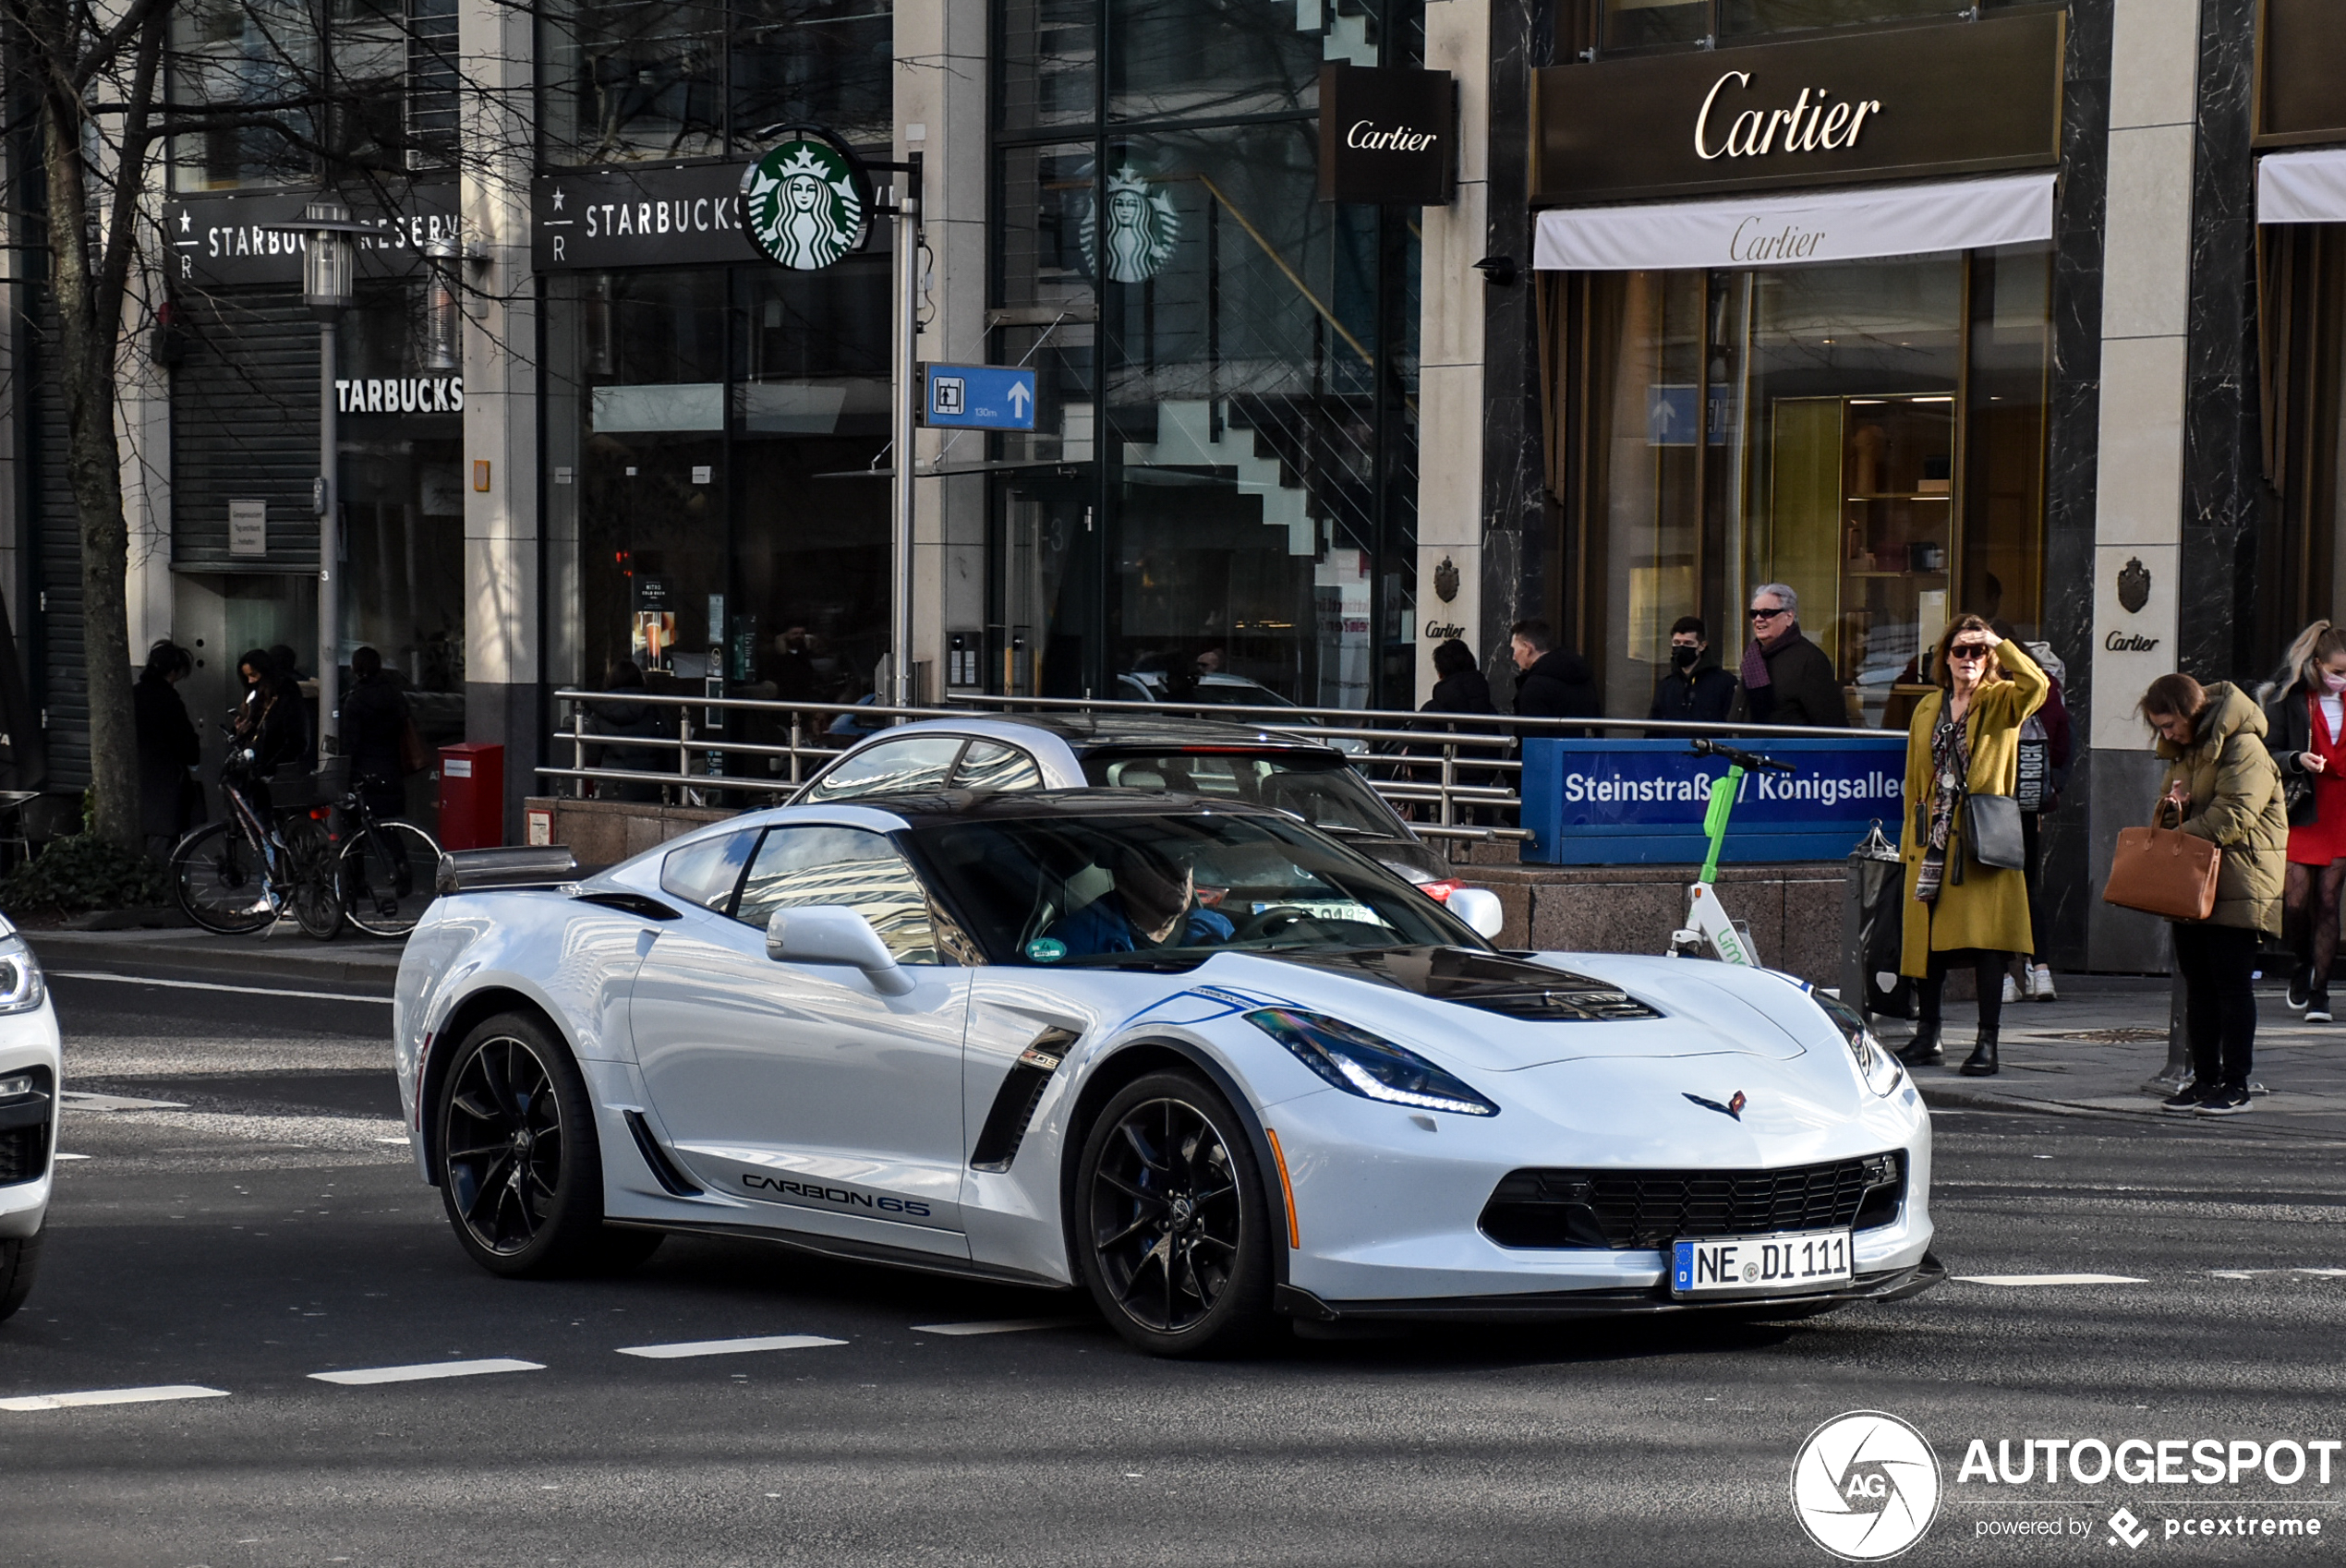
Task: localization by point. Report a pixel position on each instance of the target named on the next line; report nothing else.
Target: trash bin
(472, 796)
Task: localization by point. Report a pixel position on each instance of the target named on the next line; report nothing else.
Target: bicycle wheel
(317, 885)
(218, 881)
(387, 877)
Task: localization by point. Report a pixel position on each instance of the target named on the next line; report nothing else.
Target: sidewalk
(2088, 1055)
(352, 962)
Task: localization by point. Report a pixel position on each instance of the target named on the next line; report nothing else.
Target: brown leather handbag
(2162, 871)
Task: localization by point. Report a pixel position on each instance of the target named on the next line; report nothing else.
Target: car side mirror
(1480, 909)
(834, 935)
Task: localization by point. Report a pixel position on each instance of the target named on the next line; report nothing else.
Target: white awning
(2301, 187)
(1808, 227)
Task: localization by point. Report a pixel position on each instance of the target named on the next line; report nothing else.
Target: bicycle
(387, 869)
(1710, 931)
(243, 873)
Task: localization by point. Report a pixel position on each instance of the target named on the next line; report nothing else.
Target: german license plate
(1746, 1265)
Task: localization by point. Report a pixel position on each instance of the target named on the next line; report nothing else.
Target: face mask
(1683, 658)
(2335, 683)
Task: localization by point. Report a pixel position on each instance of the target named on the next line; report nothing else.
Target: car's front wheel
(1171, 1232)
(520, 1168)
(20, 1261)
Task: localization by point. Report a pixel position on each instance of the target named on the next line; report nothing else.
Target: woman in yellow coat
(1965, 739)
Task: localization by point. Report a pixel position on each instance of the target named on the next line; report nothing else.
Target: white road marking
(80, 1100)
(62, 1155)
(210, 986)
(2322, 1274)
(2049, 1279)
(400, 1141)
(112, 1397)
(684, 1348)
(424, 1371)
(1002, 1325)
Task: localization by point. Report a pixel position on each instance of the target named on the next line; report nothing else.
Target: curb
(372, 969)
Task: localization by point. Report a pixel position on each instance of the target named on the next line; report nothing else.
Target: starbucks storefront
(1796, 303)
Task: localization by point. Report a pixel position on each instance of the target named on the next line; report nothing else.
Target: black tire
(315, 868)
(520, 1168)
(216, 877)
(388, 877)
(19, 1261)
(1168, 1224)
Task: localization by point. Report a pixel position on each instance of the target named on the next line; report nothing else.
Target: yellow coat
(1989, 907)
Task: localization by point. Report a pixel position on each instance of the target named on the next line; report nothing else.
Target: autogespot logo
(1865, 1486)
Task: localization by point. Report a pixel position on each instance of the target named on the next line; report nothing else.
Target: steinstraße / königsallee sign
(1930, 100)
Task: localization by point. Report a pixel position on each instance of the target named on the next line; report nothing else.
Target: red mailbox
(472, 796)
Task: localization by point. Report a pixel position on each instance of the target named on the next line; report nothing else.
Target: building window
(1627, 25)
(1871, 434)
(629, 81)
(1218, 503)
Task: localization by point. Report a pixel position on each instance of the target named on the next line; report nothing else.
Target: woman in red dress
(2307, 738)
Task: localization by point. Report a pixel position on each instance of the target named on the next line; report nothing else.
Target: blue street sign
(978, 397)
(1641, 802)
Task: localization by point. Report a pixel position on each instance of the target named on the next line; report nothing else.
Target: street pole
(908, 391)
(329, 551)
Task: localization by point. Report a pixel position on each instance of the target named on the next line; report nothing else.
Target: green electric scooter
(1709, 932)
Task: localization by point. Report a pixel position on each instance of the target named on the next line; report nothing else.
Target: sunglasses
(1968, 651)
(1768, 614)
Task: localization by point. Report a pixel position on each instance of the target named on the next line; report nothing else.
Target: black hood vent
(1493, 982)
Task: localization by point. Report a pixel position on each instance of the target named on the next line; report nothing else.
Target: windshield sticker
(1046, 950)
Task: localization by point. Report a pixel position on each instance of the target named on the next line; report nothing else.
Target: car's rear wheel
(1171, 1232)
(520, 1169)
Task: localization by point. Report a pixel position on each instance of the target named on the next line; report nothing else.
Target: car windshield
(1323, 791)
(1168, 891)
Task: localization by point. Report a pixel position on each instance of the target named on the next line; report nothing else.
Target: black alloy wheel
(1174, 1238)
(520, 1168)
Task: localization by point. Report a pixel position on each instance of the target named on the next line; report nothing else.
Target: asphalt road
(264, 1231)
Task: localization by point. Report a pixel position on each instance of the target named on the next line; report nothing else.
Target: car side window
(986, 766)
(707, 871)
(847, 867)
(892, 767)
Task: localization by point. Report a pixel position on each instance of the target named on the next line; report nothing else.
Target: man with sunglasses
(1787, 677)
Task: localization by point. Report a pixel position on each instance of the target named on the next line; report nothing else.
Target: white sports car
(30, 1065)
(1200, 1059)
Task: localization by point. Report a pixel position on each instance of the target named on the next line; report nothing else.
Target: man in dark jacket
(1787, 677)
(167, 748)
(1695, 691)
(1552, 681)
(374, 720)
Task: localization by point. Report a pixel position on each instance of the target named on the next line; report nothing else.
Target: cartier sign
(1388, 136)
(1950, 99)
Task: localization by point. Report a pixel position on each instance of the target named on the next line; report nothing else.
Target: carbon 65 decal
(843, 1197)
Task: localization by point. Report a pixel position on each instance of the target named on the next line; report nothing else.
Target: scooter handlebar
(1752, 762)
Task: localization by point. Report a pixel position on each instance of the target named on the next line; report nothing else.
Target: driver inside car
(1153, 904)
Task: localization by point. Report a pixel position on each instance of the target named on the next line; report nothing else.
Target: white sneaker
(2041, 982)
(2012, 989)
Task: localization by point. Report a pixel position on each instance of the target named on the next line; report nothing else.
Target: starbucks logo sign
(1142, 229)
(804, 203)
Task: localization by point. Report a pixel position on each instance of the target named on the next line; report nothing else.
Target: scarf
(1755, 664)
(1950, 774)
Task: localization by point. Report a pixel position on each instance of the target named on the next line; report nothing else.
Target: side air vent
(664, 1169)
(1014, 1102)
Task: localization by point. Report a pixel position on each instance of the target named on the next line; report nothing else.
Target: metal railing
(1412, 759)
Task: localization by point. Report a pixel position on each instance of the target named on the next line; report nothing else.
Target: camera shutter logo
(1865, 1486)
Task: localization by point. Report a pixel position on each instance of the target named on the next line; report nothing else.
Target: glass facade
(1220, 498)
(628, 80)
(1871, 434)
(1626, 25)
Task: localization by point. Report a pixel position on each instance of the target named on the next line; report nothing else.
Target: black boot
(1924, 1050)
(1981, 1062)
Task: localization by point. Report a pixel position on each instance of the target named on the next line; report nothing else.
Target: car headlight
(1358, 1063)
(21, 986)
(1881, 1070)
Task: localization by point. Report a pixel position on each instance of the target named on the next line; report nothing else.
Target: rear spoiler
(482, 871)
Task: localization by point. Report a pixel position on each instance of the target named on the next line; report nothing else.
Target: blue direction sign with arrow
(978, 397)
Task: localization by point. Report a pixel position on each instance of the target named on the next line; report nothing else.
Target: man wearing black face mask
(1695, 690)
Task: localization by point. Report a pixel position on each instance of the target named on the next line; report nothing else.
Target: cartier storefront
(1795, 304)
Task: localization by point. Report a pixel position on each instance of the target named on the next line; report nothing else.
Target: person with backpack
(2307, 739)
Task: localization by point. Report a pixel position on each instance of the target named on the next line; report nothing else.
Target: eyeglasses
(1768, 614)
(1967, 651)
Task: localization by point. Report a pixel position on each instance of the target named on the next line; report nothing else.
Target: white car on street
(31, 1063)
(1197, 1058)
